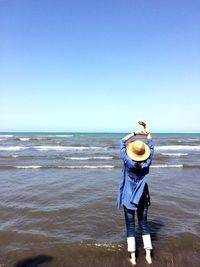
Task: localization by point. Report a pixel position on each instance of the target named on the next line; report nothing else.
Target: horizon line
(96, 132)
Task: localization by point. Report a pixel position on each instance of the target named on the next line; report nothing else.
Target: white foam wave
(53, 148)
(186, 147)
(88, 158)
(63, 135)
(39, 138)
(67, 148)
(107, 245)
(175, 154)
(88, 167)
(167, 166)
(24, 139)
(13, 148)
(28, 167)
(6, 135)
(55, 136)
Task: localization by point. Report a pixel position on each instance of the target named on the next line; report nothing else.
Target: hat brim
(135, 156)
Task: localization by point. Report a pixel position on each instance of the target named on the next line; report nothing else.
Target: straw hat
(138, 150)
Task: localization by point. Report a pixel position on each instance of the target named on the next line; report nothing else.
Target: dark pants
(141, 211)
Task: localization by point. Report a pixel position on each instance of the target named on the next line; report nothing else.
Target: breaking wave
(177, 147)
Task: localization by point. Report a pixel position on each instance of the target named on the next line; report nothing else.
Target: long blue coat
(133, 179)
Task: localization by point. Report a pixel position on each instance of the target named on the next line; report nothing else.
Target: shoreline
(175, 252)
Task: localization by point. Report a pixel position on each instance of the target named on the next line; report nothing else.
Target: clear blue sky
(89, 65)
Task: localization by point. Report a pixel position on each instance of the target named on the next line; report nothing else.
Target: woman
(133, 192)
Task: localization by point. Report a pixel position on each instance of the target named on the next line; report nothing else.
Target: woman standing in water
(133, 192)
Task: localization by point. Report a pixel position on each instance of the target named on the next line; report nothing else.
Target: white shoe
(148, 256)
(148, 247)
(133, 258)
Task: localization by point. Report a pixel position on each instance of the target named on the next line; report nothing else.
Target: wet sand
(168, 252)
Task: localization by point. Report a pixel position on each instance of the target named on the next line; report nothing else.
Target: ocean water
(58, 201)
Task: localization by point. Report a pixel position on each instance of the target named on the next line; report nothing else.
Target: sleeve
(147, 163)
(127, 161)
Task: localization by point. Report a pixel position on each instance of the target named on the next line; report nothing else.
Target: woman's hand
(146, 129)
(144, 124)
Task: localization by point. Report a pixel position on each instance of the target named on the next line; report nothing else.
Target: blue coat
(133, 180)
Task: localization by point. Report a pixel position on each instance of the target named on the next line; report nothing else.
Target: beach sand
(169, 252)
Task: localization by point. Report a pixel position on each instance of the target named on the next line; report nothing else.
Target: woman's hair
(138, 165)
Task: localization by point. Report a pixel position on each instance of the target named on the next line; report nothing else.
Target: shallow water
(58, 197)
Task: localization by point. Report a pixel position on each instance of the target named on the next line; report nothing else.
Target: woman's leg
(130, 229)
(130, 222)
(142, 219)
(142, 212)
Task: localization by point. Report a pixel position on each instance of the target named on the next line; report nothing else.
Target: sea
(58, 201)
